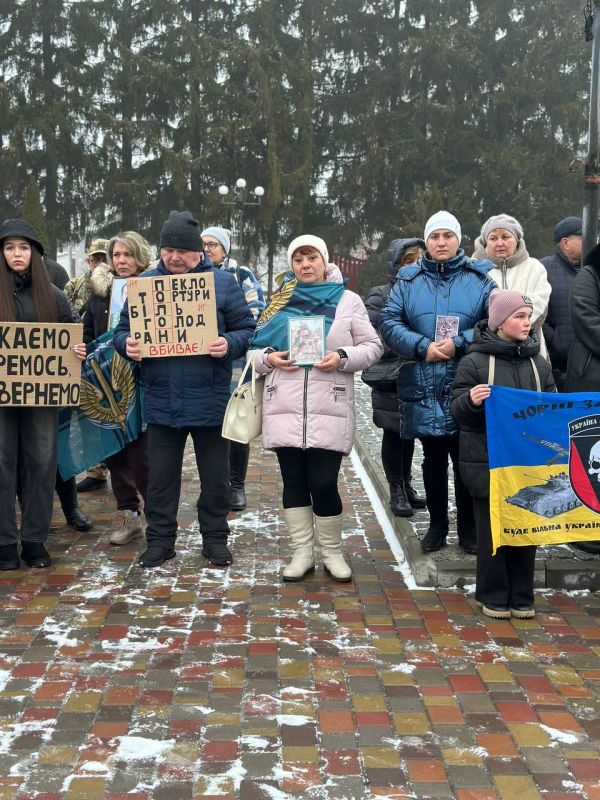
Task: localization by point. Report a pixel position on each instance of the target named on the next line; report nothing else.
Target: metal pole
(592, 176)
(241, 232)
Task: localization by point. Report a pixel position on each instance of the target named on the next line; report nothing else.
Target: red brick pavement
(189, 682)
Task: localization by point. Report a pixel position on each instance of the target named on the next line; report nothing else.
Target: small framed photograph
(118, 295)
(307, 340)
(446, 327)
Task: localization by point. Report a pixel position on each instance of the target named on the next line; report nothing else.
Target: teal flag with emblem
(110, 413)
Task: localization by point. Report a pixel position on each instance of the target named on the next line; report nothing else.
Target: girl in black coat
(396, 453)
(504, 345)
(28, 435)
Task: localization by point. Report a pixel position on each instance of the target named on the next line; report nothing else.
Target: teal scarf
(295, 299)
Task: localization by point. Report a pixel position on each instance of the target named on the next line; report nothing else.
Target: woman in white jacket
(501, 242)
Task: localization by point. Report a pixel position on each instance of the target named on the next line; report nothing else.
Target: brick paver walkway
(189, 682)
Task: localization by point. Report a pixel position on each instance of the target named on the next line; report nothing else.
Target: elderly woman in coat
(444, 291)
(501, 242)
(308, 411)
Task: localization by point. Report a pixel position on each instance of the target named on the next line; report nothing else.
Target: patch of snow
(293, 719)
(254, 742)
(138, 748)
(578, 787)
(43, 726)
(4, 678)
(406, 668)
(561, 736)
(136, 646)
(97, 767)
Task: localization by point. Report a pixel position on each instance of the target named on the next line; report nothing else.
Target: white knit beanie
(443, 220)
(307, 240)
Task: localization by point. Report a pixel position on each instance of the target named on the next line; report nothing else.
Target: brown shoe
(129, 527)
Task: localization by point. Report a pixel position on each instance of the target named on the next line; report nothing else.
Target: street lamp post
(240, 203)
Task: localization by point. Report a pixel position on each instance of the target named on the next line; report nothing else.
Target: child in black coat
(505, 352)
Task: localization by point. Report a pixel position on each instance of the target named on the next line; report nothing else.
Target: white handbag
(243, 416)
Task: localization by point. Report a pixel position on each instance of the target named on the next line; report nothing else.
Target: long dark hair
(42, 291)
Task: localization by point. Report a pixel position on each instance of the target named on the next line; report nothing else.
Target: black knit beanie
(181, 231)
(22, 228)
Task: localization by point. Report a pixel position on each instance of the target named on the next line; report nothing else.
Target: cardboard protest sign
(173, 315)
(37, 364)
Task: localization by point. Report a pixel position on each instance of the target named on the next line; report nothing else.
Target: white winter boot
(329, 532)
(300, 526)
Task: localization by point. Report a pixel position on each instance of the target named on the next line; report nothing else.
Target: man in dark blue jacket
(188, 395)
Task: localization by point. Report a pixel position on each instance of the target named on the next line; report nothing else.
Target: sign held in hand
(37, 364)
(173, 315)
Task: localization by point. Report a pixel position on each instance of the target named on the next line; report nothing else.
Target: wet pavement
(193, 682)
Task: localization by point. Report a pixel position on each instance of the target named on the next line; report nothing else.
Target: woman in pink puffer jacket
(308, 411)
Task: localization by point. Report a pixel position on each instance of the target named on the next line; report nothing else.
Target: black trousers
(310, 478)
(505, 579)
(436, 450)
(396, 456)
(129, 473)
(165, 459)
(28, 438)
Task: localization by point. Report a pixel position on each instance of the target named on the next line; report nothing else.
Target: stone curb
(574, 573)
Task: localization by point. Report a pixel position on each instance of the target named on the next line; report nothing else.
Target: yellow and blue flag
(544, 456)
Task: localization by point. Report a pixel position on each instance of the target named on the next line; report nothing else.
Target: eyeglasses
(210, 245)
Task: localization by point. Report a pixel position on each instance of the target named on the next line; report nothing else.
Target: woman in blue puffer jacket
(429, 320)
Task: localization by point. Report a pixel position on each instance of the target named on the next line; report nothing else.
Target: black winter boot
(398, 500)
(9, 557)
(34, 554)
(467, 539)
(238, 466)
(156, 554)
(416, 500)
(214, 548)
(434, 539)
(67, 494)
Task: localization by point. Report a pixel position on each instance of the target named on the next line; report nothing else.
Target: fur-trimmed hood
(101, 281)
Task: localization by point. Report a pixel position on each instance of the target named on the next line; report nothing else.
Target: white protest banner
(37, 364)
(173, 315)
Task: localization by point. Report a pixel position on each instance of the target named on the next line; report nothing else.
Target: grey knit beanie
(504, 221)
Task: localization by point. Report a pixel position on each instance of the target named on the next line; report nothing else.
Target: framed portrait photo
(306, 340)
(118, 295)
